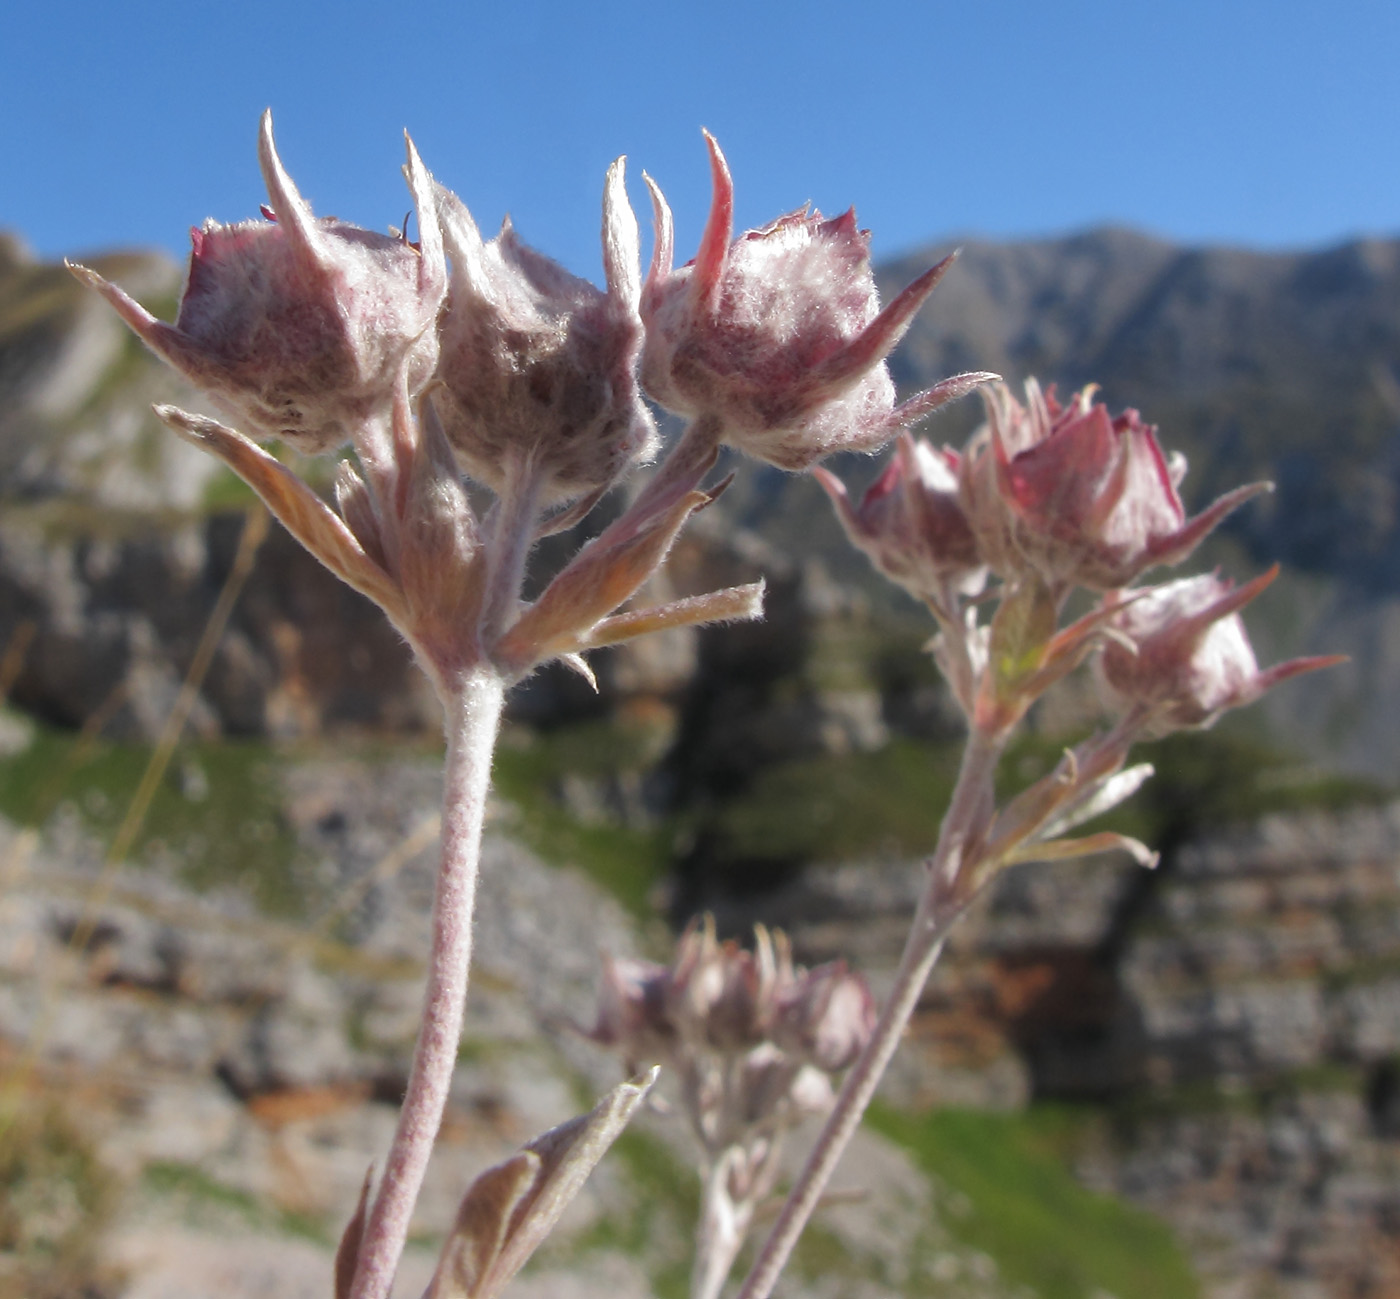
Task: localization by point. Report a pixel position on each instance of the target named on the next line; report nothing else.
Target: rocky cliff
(1223, 1032)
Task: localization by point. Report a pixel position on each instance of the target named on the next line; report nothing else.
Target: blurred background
(218, 769)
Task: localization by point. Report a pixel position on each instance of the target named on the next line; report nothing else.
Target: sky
(1270, 125)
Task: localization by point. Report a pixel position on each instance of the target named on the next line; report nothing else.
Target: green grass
(1203, 1098)
(56, 1200)
(202, 1197)
(1043, 1229)
(888, 803)
(658, 1223)
(628, 861)
(216, 811)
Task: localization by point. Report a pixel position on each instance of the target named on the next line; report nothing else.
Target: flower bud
(722, 995)
(537, 365)
(911, 524)
(631, 1010)
(1184, 656)
(778, 335)
(826, 1017)
(1078, 496)
(304, 327)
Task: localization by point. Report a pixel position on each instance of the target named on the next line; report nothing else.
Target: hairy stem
(474, 713)
(940, 905)
(722, 1227)
(510, 547)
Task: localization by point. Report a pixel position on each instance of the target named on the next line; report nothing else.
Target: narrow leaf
(1064, 849)
(308, 518)
(347, 1255)
(1100, 799)
(482, 1227)
(605, 574)
(733, 604)
(512, 1207)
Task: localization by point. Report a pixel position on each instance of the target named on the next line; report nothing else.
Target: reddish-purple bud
(1184, 656)
(826, 1017)
(538, 367)
(1079, 496)
(911, 523)
(303, 327)
(722, 995)
(632, 1010)
(779, 335)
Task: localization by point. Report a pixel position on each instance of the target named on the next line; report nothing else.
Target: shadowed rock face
(1285, 366)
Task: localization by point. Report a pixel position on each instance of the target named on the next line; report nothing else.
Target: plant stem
(722, 1227)
(939, 906)
(473, 717)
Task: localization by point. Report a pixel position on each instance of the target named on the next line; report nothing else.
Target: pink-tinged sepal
(305, 328)
(777, 336)
(289, 210)
(1172, 550)
(873, 344)
(1078, 496)
(163, 339)
(539, 365)
(622, 242)
(432, 263)
(713, 252)
(663, 245)
(1181, 656)
(954, 388)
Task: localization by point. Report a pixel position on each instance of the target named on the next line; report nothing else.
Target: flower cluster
(753, 1037)
(458, 355)
(753, 1042)
(1050, 498)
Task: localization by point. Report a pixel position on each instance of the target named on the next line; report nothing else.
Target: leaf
(509, 1210)
(347, 1255)
(1063, 849)
(732, 604)
(1100, 798)
(304, 514)
(605, 574)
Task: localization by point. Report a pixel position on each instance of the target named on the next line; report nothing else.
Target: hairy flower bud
(911, 524)
(537, 365)
(1183, 655)
(826, 1017)
(721, 994)
(1078, 496)
(778, 335)
(303, 327)
(632, 1010)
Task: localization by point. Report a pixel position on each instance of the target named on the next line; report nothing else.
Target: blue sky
(1270, 125)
